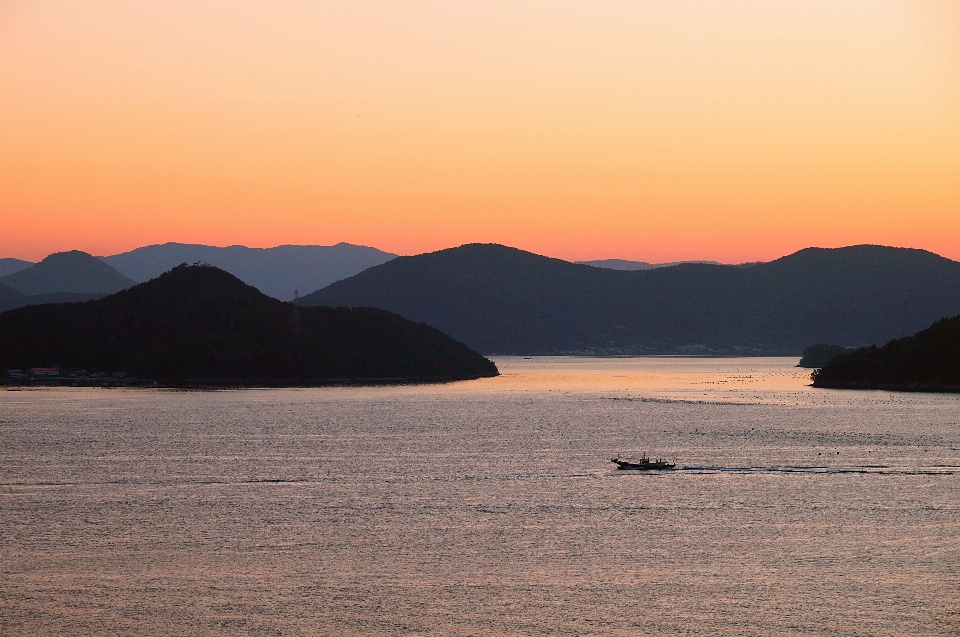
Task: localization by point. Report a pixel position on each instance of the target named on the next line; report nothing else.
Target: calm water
(484, 508)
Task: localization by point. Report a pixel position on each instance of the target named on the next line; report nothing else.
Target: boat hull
(643, 465)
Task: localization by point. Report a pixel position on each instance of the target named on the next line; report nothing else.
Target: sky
(651, 130)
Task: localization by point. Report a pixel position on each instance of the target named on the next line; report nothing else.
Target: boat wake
(875, 469)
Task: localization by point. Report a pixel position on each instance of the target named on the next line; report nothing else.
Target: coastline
(926, 387)
(214, 384)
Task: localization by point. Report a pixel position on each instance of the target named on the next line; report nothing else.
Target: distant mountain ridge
(10, 298)
(12, 302)
(10, 266)
(624, 264)
(199, 322)
(498, 299)
(276, 272)
(72, 272)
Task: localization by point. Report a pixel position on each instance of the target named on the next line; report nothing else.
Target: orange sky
(658, 131)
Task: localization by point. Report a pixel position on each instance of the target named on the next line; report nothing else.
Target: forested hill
(199, 322)
(503, 300)
(927, 361)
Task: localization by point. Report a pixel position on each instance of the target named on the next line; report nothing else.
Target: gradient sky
(724, 130)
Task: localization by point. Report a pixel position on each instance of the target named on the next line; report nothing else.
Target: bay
(486, 507)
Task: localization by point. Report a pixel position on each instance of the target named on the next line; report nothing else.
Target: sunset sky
(659, 131)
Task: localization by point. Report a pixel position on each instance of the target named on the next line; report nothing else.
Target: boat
(643, 463)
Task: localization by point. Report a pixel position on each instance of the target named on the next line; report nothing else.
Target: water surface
(487, 507)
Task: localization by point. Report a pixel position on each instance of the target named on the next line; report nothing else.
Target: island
(197, 324)
(927, 361)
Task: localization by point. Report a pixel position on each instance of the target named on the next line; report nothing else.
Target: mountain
(9, 266)
(927, 361)
(276, 272)
(504, 300)
(71, 272)
(622, 264)
(10, 298)
(21, 300)
(199, 322)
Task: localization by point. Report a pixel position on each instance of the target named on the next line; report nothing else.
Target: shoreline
(924, 387)
(214, 384)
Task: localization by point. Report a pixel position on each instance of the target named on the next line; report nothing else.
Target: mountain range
(62, 277)
(277, 272)
(201, 323)
(10, 266)
(503, 300)
(11, 299)
(623, 264)
(498, 299)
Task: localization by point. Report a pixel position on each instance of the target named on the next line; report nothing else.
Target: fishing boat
(643, 463)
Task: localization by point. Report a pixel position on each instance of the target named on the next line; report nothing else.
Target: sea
(487, 507)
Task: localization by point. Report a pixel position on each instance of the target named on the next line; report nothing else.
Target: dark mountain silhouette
(927, 361)
(199, 322)
(503, 300)
(61, 297)
(72, 272)
(9, 266)
(10, 298)
(276, 272)
(623, 264)
(818, 355)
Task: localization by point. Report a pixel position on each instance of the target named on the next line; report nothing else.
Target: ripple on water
(488, 507)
